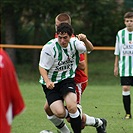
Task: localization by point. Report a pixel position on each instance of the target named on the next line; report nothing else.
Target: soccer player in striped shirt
(124, 61)
(58, 61)
(81, 83)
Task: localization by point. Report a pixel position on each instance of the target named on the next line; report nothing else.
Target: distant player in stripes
(81, 83)
(124, 61)
(11, 101)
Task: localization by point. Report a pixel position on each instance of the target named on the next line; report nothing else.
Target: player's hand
(50, 85)
(81, 37)
(116, 71)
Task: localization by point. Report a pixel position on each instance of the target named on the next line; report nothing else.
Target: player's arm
(49, 83)
(82, 65)
(116, 65)
(116, 53)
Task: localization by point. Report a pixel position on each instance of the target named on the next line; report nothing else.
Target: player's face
(63, 39)
(129, 23)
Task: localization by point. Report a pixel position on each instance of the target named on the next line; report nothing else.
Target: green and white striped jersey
(60, 62)
(124, 48)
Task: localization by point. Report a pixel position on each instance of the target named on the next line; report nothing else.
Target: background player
(124, 58)
(11, 101)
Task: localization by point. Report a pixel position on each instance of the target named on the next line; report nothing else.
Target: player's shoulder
(120, 31)
(75, 40)
(50, 43)
(5, 62)
(5, 57)
(2, 52)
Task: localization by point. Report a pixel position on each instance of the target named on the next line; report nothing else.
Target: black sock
(76, 124)
(127, 104)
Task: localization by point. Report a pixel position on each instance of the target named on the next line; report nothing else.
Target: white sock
(59, 123)
(91, 121)
(125, 93)
(75, 115)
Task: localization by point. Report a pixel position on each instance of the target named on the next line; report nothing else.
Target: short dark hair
(65, 28)
(128, 15)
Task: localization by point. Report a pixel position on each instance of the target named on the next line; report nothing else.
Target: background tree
(32, 22)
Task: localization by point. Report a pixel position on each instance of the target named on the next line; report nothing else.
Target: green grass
(100, 68)
(102, 98)
(99, 101)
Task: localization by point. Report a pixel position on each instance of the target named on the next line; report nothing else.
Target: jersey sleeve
(18, 102)
(116, 52)
(10, 88)
(46, 57)
(82, 57)
(80, 46)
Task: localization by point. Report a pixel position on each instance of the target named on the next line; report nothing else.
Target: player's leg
(126, 101)
(99, 124)
(74, 113)
(51, 97)
(126, 82)
(58, 122)
(92, 121)
(80, 87)
(78, 92)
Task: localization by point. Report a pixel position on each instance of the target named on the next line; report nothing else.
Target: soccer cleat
(127, 116)
(80, 109)
(102, 128)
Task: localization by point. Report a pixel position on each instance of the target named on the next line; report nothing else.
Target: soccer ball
(46, 131)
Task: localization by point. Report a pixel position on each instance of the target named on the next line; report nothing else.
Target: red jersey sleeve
(82, 57)
(11, 101)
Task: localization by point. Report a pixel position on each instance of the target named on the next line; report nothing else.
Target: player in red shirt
(81, 78)
(11, 101)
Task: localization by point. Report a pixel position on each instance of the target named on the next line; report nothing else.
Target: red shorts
(80, 87)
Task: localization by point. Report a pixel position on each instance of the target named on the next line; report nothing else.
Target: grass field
(102, 98)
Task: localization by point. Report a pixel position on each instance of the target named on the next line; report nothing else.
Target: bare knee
(60, 113)
(58, 109)
(126, 88)
(72, 109)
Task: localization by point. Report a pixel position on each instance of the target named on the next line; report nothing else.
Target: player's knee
(60, 113)
(126, 88)
(72, 109)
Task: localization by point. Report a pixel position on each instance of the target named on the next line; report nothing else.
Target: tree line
(32, 22)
